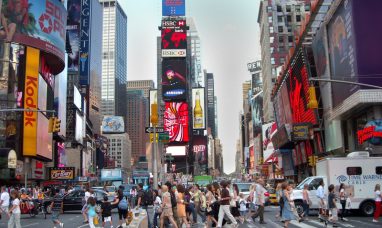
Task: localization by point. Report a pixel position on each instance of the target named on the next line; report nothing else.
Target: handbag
(232, 203)
(95, 220)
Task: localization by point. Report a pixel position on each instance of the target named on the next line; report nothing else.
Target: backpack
(148, 198)
(173, 200)
(122, 205)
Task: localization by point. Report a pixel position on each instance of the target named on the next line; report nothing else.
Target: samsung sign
(174, 53)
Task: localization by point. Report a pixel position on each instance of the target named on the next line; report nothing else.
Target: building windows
(271, 39)
(289, 18)
(279, 8)
(273, 61)
(272, 49)
(271, 29)
(288, 8)
(281, 39)
(281, 29)
(269, 9)
(298, 18)
(282, 60)
(279, 19)
(290, 39)
(289, 29)
(270, 19)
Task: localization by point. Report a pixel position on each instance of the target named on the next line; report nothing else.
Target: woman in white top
(157, 205)
(342, 200)
(14, 212)
(252, 202)
(378, 199)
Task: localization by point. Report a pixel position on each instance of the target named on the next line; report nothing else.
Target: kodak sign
(30, 102)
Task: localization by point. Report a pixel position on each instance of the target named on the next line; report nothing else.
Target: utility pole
(154, 122)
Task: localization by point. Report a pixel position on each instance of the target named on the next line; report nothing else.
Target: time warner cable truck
(358, 171)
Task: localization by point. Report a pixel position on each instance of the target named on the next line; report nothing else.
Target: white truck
(359, 172)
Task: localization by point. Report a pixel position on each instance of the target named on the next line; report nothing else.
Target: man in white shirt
(260, 201)
(321, 196)
(4, 201)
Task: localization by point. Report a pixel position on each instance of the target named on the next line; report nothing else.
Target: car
(111, 189)
(273, 196)
(245, 189)
(126, 188)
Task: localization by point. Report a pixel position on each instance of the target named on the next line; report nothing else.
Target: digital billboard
(77, 98)
(44, 142)
(79, 131)
(200, 152)
(298, 90)
(198, 108)
(174, 79)
(40, 24)
(176, 150)
(176, 121)
(257, 112)
(173, 8)
(269, 130)
(73, 30)
(113, 124)
(282, 107)
(153, 100)
(42, 93)
(174, 36)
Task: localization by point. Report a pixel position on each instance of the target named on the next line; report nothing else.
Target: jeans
(305, 206)
(155, 219)
(14, 220)
(343, 205)
(191, 208)
(259, 213)
(148, 217)
(224, 210)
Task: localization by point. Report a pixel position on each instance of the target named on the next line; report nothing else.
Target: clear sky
(229, 35)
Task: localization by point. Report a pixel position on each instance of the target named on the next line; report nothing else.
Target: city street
(74, 220)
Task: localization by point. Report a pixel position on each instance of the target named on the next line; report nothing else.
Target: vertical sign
(73, 30)
(173, 8)
(30, 102)
(85, 42)
(198, 108)
(200, 153)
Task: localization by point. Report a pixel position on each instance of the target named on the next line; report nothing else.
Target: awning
(273, 158)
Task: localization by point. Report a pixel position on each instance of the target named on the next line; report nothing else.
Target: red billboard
(174, 34)
(175, 121)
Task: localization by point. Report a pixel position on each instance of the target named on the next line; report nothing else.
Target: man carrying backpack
(144, 199)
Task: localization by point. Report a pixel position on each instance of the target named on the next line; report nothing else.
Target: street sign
(151, 130)
(170, 158)
(160, 137)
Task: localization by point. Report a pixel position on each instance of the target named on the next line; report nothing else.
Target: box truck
(358, 171)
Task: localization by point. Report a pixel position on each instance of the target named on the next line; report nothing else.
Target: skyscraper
(279, 21)
(144, 85)
(211, 112)
(194, 48)
(114, 59)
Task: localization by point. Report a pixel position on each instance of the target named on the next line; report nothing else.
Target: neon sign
(367, 134)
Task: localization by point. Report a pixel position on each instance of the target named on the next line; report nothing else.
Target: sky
(229, 35)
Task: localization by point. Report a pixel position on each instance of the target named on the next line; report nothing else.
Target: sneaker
(263, 223)
(62, 225)
(375, 220)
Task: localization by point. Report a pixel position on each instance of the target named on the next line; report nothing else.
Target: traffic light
(312, 104)
(154, 114)
(311, 161)
(51, 123)
(56, 124)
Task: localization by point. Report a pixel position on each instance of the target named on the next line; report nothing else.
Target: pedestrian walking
(166, 208)
(242, 207)
(56, 206)
(190, 206)
(279, 193)
(14, 212)
(260, 201)
(4, 201)
(181, 206)
(343, 199)
(196, 197)
(225, 205)
(234, 202)
(321, 201)
(251, 202)
(305, 202)
(378, 199)
(210, 200)
(287, 213)
(84, 202)
(203, 206)
(106, 212)
(122, 204)
(91, 211)
(332, 204)
(157, 208)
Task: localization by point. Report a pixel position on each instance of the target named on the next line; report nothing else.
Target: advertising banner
(302, 131)
(174, 37)
(30, 102)
(257, 112)
(40, 24)
(44, 142)
(254, 66)
(269, 131)
(251, 157)
(85, 43)
(173, 8)
(342, 52)
(174, 79)
(198, 110)
(153, 100)
(65, 173)
(282, 107)
(176, 121)
(73, 30)
(200, 152)
(111, 174)
(113, 124)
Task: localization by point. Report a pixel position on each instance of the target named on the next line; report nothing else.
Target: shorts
(122, 214)
(106, 218)
(55, 215)
(4, 209)
(334, 213)
(243, 213)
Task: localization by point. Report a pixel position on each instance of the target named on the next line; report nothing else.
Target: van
(359, 172)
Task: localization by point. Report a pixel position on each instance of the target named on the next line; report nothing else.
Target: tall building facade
(194, 47)
(137, 119)
(210, 99)
(279, 21)
(120, 150)
(144, 85)
(114, 59)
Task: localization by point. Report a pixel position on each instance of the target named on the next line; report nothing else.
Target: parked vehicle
(273, 196)
(245, 189)
(359, 172)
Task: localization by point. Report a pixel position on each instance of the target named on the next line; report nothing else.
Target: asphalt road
(74, 220)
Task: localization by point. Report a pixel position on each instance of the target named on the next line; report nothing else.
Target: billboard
(44, 142)
(176, 121)
(73, 30)
(269, 130)
(79, 131)
(254, 66)
(257, 112)
(153, 100)
(77, 98)
(198, 108)
(40, 24)
(113, 124)
(176, 150)
(282, 107)
(65, 173)
(30, 101)
(174, 79)
(85, 42)
(200, 152)
(173, 8)
(174, 35)
(42, 93)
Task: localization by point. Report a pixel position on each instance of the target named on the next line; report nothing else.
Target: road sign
(151, 130)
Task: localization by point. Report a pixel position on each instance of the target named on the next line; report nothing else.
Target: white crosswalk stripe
(301, 225)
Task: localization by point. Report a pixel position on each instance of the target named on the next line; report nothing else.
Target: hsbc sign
(173, 52)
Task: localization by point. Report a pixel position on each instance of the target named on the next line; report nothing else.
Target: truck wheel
(299, 207)
(367, 208)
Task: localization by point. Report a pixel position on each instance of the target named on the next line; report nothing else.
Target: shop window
(378, 170)
(351, 171)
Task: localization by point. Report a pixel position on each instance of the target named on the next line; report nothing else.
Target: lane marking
(363, 223)
(301, 225)
(83, 225)
(32, 224)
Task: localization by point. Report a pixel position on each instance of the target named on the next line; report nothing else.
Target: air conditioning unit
(359, 154)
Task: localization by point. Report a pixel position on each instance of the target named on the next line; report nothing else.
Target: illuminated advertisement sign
(269, 131)
(173, 8)
(30, 102)
(46, 71)
(174, 34)
(198, 108)
(174, 79)
(251, 157)
(372, 133)
(65, 173)
(84, 63)
(153, 100)
(44, 142)
(282, 107)
(40, 24)
(257, 112)
(200, 152)
(73, 30)
(113, 124)
(176, 121)
(298, 86)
